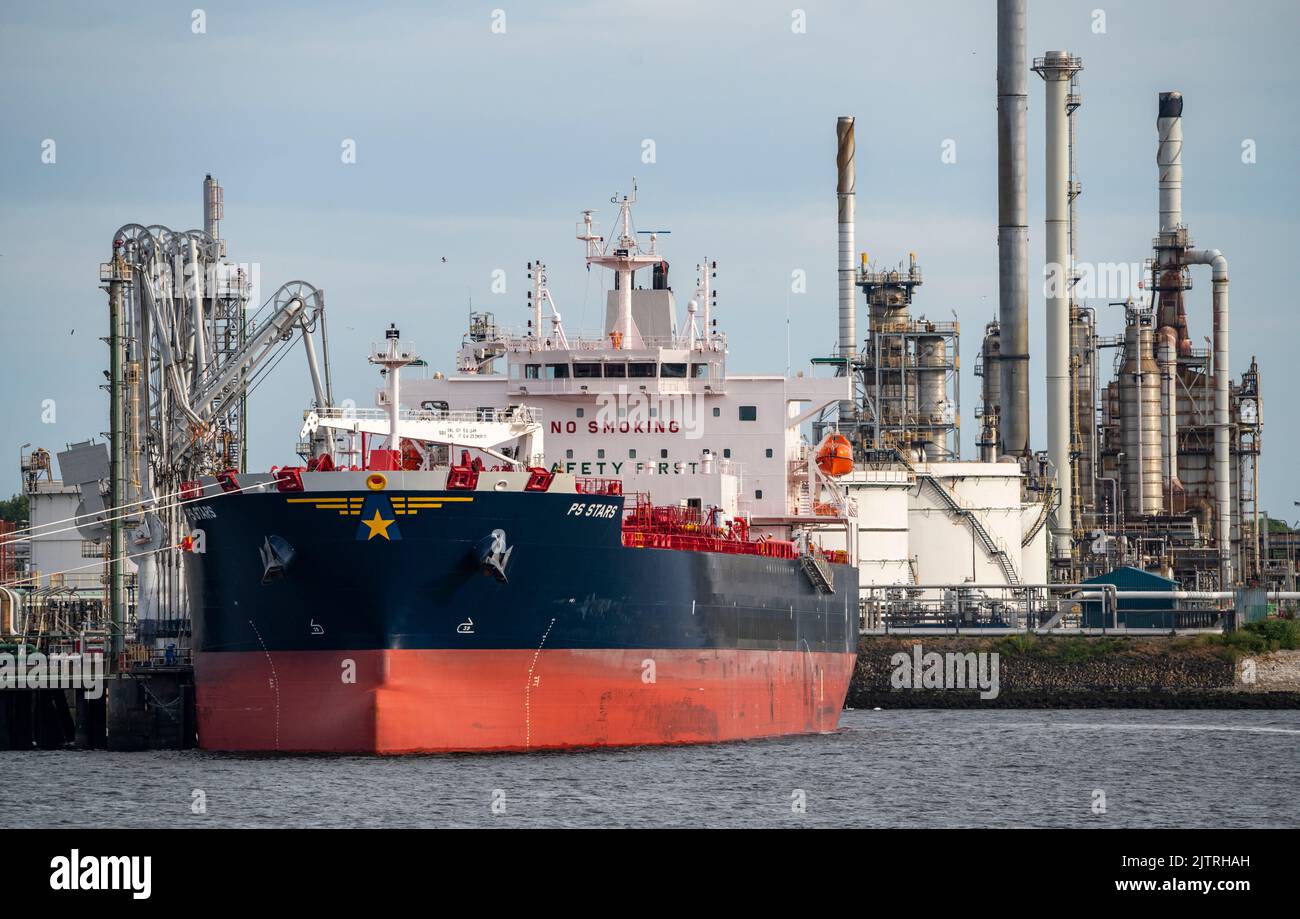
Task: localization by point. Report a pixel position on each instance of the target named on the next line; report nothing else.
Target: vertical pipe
(1222, 483)
(198, 316)
(1140, 459)
(117, 459)
(1013, 228)
(846, 193)
(1057, 68)
(1169, 391)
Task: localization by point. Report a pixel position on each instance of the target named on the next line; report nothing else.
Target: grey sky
(484, 147)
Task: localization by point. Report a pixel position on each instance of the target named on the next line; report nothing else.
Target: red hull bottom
(423, 701)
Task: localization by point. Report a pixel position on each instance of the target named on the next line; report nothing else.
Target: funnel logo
(378, 520)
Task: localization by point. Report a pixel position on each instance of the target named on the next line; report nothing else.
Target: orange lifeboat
(835, 455)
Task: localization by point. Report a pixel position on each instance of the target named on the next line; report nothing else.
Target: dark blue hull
(568, 576)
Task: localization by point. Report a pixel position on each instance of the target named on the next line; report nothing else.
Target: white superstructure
(649, 401)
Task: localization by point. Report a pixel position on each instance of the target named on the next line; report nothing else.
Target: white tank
(944, 542)
(880, 496)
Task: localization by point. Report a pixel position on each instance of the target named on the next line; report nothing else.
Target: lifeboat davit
(835, 455)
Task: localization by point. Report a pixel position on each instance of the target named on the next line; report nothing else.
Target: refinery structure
(1152, 446)
(1150, 457)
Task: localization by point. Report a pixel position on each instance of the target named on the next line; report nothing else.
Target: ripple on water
(888, 768)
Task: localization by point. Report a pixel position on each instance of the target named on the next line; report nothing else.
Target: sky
(482, 130)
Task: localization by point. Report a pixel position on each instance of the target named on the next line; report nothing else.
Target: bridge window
(533, 372)
(699, 371)
(586, 371)
(642, 371)
(616, 370)
(673, 371)
(557, 371)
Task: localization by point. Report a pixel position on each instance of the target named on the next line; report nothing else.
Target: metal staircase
(1043, 514)
(818, 572)
(991, 546)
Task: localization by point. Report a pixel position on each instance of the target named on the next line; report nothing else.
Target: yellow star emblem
(378, 526)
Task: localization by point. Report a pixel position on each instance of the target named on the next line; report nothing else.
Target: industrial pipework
(846, 193)
(1057, 69)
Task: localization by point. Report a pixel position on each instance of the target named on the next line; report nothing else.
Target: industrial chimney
(1057, 68)
(1013, 229)
(845, 190)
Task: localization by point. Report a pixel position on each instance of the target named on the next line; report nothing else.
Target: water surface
(881, 769)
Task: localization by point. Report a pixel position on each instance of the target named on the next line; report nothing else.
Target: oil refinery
(845, 482)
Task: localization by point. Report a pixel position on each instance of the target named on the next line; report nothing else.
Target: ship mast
(393, 360)
(624, 258)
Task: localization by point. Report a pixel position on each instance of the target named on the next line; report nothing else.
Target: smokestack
(1172, 239)
(1169, 157)
(1171, 247)
(846, 191)
(1058, 68)
(1013, 229)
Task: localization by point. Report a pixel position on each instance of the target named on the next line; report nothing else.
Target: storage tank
(943, 541)
(881, 499)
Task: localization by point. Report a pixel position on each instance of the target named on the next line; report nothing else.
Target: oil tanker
(433, 578)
